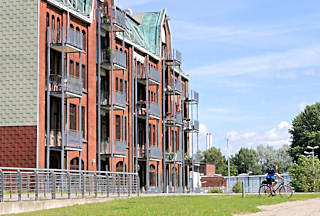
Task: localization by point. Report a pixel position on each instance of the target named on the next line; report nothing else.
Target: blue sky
(256, 64)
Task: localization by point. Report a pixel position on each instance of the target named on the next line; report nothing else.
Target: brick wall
(213, 181)
(18, 146)
(208, 169)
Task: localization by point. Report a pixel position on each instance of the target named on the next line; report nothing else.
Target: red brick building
(96, 88)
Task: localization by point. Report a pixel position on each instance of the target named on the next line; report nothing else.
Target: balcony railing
(72, 139)
(174, 156)
(179, 156)
(119, 20)
(120, 98)
(70, 37)
(155, 109)
(175, 85)
(70, 84)
(120, 147)
(179, 118)
(155, 74)
(155, 151)
(196, 125)
(119, 58)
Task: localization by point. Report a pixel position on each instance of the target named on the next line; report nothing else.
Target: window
(84, 76)
(118, 127)
(73, 121)
(119, 167)
(117, 84)
(83, 123)
(154, 135)
(77, 70)
(153, 178)
(84, 38)
(52, 23)
(126, 89)
(150, 134)
(121, 85)
(71, 68)
(58, 29)
(47, 19)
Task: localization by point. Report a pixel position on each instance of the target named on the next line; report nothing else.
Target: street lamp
(313, 170)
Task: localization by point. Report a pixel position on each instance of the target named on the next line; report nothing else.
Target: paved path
(309, 207)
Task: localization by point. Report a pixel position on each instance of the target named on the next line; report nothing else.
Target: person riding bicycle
(271, 177)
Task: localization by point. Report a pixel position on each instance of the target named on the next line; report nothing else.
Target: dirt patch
(297, 208)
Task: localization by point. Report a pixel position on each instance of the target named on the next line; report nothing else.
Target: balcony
(174, 157)
(119, 60)
(72, 40)
(154, 75)
(155, 110)
(194, 98)
(119, 100)
(72, 86)
(155, 152)
(174, 87)
(119, 21)
(73, 139)
(120, 147)
(179, 156)
(175, 59)
(179, 118)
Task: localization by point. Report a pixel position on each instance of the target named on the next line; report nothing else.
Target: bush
(302, 174)
(215, 190)
(237, 187)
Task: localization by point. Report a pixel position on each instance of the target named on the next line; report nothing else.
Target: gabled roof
(144, 29)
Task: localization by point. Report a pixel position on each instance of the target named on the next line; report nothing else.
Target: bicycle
(284, 190)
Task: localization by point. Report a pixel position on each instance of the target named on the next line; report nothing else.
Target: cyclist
(271, 180)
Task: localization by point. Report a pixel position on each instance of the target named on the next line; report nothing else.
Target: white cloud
(302, 105)
(270, 63)
(276, 137)
(310, 72)
(286, 75)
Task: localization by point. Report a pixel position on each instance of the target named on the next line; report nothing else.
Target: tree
(269, 156)
(247, 160)
(302, 174)
(305, 130)
(214, 156)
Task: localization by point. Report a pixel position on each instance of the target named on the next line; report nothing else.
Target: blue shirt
(271, 173)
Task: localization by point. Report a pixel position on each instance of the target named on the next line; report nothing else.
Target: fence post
(108, 185)
(129, 185)
(138, 185)
(82, 185)
(243, 190)
(118, 180)
(68, 185)
(28, 185)
(36, 185)
(2, 186)
(53, 187)
(19, 185)
(95, 185)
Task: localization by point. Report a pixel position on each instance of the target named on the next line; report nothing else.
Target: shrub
(215, 190)
(237, 187)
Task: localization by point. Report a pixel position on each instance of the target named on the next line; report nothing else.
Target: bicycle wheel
(264, 191)
(285, 191)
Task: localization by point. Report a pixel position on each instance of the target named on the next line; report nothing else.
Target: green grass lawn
(172, 205)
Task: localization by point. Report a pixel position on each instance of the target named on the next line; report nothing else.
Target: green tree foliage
(305, 130)
(237, 187)
(214, 156)
(269, 156)
(247, 160)
(302, 174)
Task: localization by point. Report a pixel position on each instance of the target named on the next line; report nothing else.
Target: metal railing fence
(19, 184)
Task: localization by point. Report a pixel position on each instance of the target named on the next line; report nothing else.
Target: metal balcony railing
(155, 109)
(73, 138)
(70, 84)
(179, 118)
(155, 74)
(119, 19)
(69, 37)
(105, 146)
(196, 125)
(120, 98)
(179, 156)
(119, 58)
(120, 147)
(155, 151)
(179, 86)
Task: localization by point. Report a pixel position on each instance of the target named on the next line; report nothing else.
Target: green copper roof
(146, 31)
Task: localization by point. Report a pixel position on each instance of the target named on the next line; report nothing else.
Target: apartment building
(86, 85)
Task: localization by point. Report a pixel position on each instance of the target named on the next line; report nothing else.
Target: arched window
(71, 26)
(53, 27)
(74, 164)
(47, 19)
(58, 29)
(119, 167)
(153, 177)
(84, 38)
